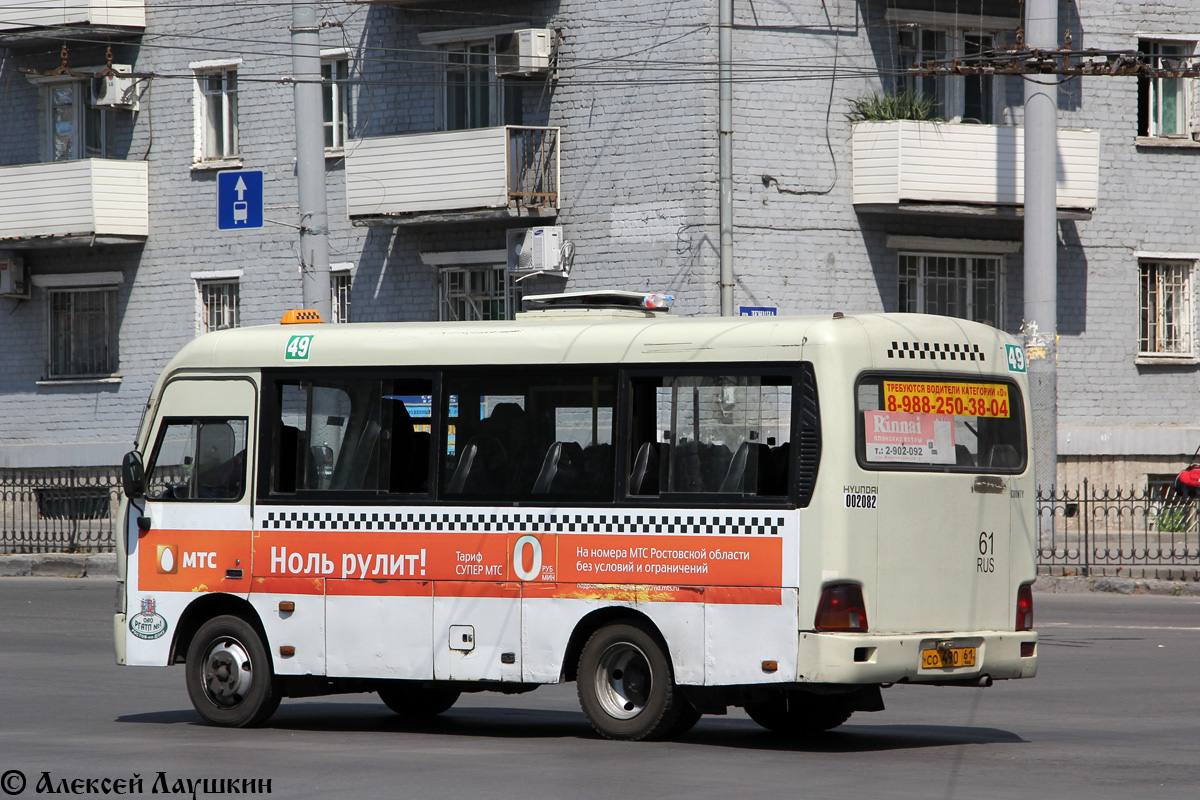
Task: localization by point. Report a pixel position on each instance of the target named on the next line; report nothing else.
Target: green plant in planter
(1173, 520)
(886, 106)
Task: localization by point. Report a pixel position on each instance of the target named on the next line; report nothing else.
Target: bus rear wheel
(418, 698)
(229, 676)
(626, 687)
(796, 713)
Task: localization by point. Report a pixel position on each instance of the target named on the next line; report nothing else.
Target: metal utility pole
(310, 161)
(1040, 326)
(725, 151)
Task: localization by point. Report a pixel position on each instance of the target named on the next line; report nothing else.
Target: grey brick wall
(636, 98)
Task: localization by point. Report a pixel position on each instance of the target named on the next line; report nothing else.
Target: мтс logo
(168, 559)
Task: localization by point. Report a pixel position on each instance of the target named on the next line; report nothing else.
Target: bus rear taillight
(842, 609)
(1025, 608)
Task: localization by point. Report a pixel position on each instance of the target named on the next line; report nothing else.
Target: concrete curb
(1056, 584)
(59, 565)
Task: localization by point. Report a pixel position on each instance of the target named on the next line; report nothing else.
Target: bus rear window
(968, 425)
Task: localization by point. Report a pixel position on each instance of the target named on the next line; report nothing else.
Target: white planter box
(92, 196)
(937, 162)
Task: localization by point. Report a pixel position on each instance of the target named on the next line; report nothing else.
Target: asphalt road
(1114, 713)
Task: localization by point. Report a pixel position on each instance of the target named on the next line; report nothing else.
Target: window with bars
(335, 101)
(218, 111)
(1163, 105)
(1166, 308)
(965, 286)
(477, 293)
(219, 305)
(82, 332)
(339, 287)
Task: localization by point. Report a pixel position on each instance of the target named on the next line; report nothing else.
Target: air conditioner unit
(14, 278)
(535, 249)
(115, 91)
(524, 52)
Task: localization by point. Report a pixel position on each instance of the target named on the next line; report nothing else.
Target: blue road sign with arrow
(239, 199)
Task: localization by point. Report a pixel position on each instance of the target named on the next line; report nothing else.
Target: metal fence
(1087, 530)
(58, 511)
(1097, 531)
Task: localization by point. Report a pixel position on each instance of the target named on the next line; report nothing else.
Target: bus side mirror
(133, 475)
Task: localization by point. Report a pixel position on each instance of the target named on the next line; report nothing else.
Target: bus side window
(711, 434)
(544, 436)
(352, 436)
(199, 459)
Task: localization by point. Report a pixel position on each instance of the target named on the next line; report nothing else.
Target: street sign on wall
(239, 199)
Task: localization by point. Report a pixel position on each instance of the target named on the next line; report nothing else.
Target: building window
(964, 99)
(1163, 106)
(477, 293)
(76, 129)
(335, 101)
(219, 302)
(339, 285)
(1166, 308)
(82, 332)
(470, 85)
(217, 114)
(965, 286)
(473, 96)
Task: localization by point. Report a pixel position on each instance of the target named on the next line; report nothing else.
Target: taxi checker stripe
(935, 351)
(523, 522)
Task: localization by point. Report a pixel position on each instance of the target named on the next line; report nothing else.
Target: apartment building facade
(456, 129)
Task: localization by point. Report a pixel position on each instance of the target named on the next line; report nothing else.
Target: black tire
(230, 679)
(626, 686)
(796, 713)
(688, 717)
(418, 698)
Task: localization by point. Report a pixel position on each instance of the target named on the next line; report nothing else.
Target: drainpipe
(725, 156)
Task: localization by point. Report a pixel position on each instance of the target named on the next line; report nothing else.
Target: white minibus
(681, 515)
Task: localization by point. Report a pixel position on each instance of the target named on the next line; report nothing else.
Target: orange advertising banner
(531, 557)
(598, 566)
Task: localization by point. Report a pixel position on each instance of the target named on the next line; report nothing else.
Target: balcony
(913, 167)
(72, 203)
(489, 173)
(37, 21)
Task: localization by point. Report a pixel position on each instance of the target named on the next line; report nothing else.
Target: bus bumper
(119, 636)
(875, 659)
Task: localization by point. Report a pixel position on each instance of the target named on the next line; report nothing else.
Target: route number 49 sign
(1016, 357)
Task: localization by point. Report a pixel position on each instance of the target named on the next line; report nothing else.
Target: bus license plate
(948, 657)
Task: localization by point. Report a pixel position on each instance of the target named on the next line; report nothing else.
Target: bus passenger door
(194, 531)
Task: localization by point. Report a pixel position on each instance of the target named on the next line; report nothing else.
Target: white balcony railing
(931, 162)
(93, 197)
(510, 167)
(26, 14)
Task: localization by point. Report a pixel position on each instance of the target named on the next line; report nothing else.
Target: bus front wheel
(797, 713)
(626, 687)
(229, 675)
